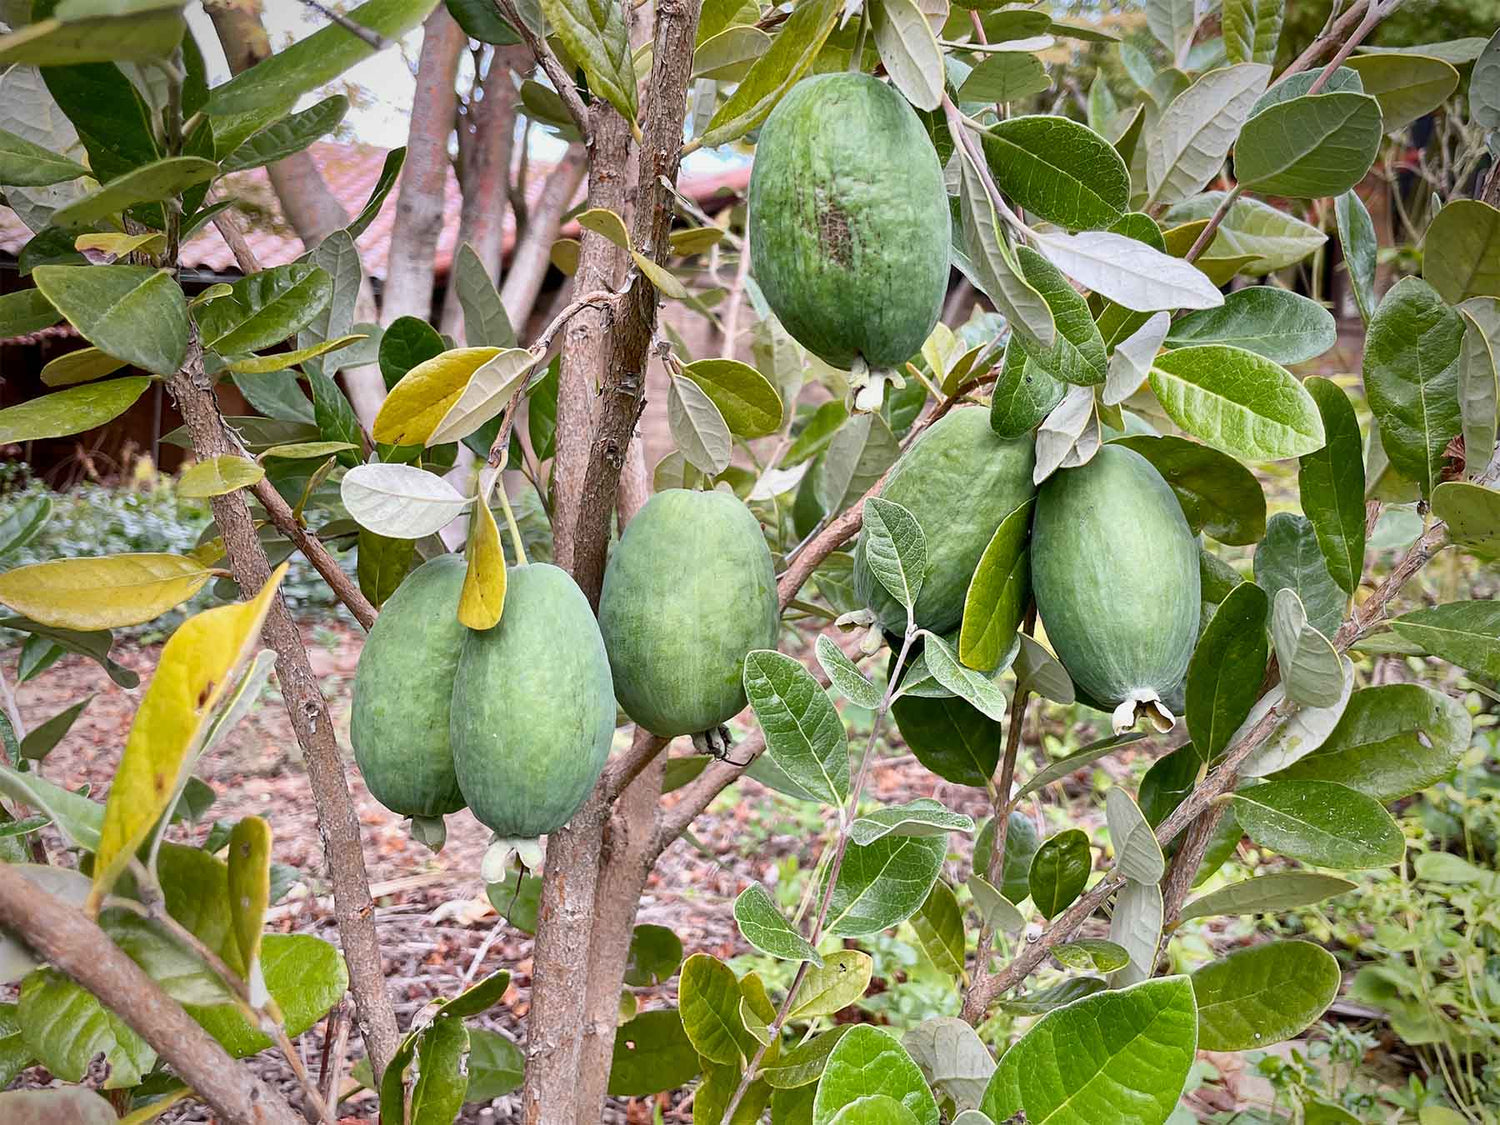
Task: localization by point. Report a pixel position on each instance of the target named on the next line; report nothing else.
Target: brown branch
(228, 226)
(346, 589)
(338, 822)
(1323, 42)
(76, 946)
(1373, 15)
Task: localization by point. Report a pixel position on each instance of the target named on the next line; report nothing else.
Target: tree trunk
(419, 202)
(486, 134)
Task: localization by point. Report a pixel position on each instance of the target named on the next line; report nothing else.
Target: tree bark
(587, 341)
(624, 388)
(419, 202)
(532, 256)
(486, 134)
(338, 823)
(68, 940)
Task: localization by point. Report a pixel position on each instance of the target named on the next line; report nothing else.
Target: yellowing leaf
(83, 366)
(486, 393)
(665, 281)
(101, 593)
(280, 361)
(482, 599)
(198, 663)
(601, 220)
(218, 475)
(121, 244)
(425, 394)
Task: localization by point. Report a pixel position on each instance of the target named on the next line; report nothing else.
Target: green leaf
(134, 313)
(846, 678)
(1045, 1000)
(495, 1066)
(338, 257)
(1137, 854)
(290, 135)
(14, 1058)
(149, 183)
(874, 1109)
(950, 738)
(1193, 136)
(1311, 146)
(264, 308)
(1461, 251)
(858, 456)
(1172, 22)
(1252, 228)
(895, 549)
(438, 1094)
(596, 36)
(1059, 871)
(833, 986)
(249, 889)
(41, 739)
(1310, 667)
(1357, 239)
(1024, 393)
(1332, 485)
(481, 20)
(64, 1027)
(1092, 954)
(1289, 557)
(1484, 86)
(400, 501)
(883, 883)
(1280, 325)
(1219, 496)
(1128, 272)
(486, 322)
(1237, 402)
(997, 594)
(803, 1064)
(1252, 29)
(1472, 514)
(1021, 845)
(1227, 668)
(1411, 377)
(1076, 761)
(1142, 1042)
(94, 644)
(101, 593)
(1135, 926)
(1077, 354)
(804, 734)
(70, 411)
(1321, 823)
(1463, 633)
(997, 911)
(726, 56)
(26, 311)
(655, 954)
(334, 416)
(1005, 76)
(304, 975)
(1277, 893)
(1058, 170)
(939, 926)
(762, 925)
(909, 51)
(652, 1053)
(1407, 85)
(921, 817)
(24, 164)
(792, 52)
(992, 266)
(105, 39)
(974, 688)
(218, 476)
(867, 1062)
(1264, 994)
(22, 523)
(1479, 380)
(710, 998)
(1392, 741)
(318, 59)
(1042, 673)
(278, 362)
(746, 399)
(1294, 735)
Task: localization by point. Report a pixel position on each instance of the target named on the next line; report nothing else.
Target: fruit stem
(857, 56)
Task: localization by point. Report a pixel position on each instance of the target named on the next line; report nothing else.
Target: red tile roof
(350, 171)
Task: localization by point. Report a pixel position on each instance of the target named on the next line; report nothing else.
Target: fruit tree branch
(75, 945)
(563, 84)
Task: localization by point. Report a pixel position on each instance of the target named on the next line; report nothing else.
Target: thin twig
(358, 30)
(228, 226)
(1373, 15)
(312, 548)
(564, 86)
(1206, 235)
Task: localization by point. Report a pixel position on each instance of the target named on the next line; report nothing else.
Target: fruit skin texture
(403, 689)
(849, 222)
(689, 590)
(960, 480)
(1114, 568)
(533, 709)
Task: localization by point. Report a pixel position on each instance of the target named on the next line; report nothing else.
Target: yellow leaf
(218, 475)
(280, 361)
(198, 664)
(121, 244)
(102, 593)
(694, 240)
(249, 888)
(564, 256)
(418, 402)
(83, 366)
(483, 597)
(601, 220)
(212, 293)
(486, 393)
(664, 280)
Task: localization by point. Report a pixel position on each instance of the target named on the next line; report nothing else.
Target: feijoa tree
(1051, 500)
